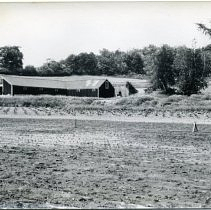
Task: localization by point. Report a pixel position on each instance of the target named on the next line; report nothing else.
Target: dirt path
(153, 119)
(103, 115)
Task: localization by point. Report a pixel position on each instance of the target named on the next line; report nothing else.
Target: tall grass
(43, 101)
(135, 102)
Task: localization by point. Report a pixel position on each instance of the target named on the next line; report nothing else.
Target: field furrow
(103, 164)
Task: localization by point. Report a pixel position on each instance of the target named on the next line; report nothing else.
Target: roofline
(43, 78)
(62, 81)
(7, 82)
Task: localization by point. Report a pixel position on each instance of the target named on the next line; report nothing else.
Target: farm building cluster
(69, 86)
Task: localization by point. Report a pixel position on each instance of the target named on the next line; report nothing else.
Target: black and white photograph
(105, 105)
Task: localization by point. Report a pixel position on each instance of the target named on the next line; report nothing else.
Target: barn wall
(20, 90)
(83, 92)
(106, 93)
(6, 88)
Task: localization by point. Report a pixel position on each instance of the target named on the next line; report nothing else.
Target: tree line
(170, 69)
(179, 70)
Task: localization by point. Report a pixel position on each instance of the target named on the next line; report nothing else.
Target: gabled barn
(22, 85)
(125, 89)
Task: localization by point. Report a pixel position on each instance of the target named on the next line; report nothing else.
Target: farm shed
(125, 89)
(22, 85)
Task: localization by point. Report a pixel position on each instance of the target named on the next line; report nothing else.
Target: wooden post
(75, 122)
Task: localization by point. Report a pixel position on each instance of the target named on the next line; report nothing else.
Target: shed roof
(53, 83)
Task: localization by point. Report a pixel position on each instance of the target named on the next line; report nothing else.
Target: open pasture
(103, 164)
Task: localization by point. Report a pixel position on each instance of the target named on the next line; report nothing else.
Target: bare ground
(121, 115)
(102, 164)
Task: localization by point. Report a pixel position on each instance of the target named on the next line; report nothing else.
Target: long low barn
(21, 85)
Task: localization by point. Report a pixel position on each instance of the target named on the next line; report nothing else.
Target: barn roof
(53, 83)
(84, 84)
(33, 82)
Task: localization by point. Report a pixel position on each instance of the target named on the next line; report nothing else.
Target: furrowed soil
(103, 164)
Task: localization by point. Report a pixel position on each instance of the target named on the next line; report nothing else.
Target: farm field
(102, 164)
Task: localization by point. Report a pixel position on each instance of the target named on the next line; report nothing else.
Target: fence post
(75, 122)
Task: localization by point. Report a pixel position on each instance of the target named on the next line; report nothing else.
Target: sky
(56, 30)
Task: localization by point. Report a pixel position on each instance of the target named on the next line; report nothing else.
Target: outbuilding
(23, 85)
(125, 89)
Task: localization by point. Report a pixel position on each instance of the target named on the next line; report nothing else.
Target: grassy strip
(134, 103)
(43, 101)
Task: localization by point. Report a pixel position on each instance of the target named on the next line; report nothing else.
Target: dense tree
(29, 71)
(4, 71)
(106, 63)
(134, 62)
(206, 51)
(69, 64)
(84, 63)
(51, 68)
(120, 66)
(163, 76)
(119, 62)
(11, 59)
(150, 59)
(206, 57)
(188, 64)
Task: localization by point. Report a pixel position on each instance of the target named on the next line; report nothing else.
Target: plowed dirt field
(97, 164)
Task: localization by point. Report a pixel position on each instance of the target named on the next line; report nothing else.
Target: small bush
(143, 99)
(206, 97)
(154, 103)
(196, 97)
(123, 101)
(175, 98)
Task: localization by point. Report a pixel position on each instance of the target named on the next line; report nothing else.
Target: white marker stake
(195, 129)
